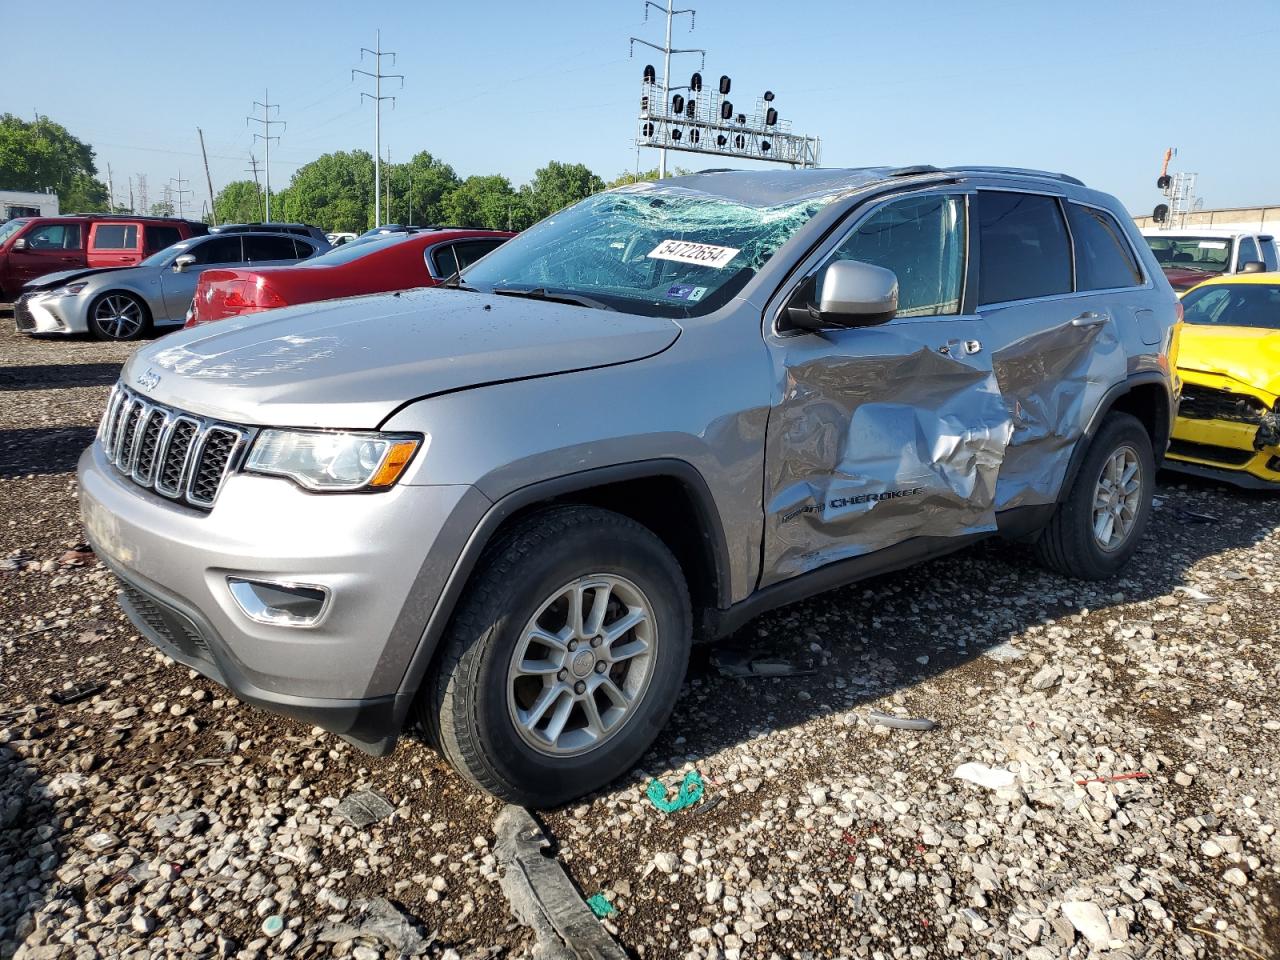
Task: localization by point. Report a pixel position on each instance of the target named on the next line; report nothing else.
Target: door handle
(1090, 319)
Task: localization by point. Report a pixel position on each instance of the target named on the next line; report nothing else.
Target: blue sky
(1096, 89)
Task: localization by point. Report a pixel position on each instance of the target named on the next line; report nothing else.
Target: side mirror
(1253, 266)
(854, 294)
(20, 244)
(181, 263)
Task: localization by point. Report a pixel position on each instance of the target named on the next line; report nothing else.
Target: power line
(378, 76)
(266, 136)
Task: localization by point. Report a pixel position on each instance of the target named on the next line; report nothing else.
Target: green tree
(418, 189)
(483, 201)
(238, 202)
(162, 208)
(334, 192)
(43, 155)
(554, 187)
(630, 177)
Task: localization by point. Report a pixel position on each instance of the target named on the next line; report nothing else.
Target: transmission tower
(142, 194)
(377, 76)
(266, 136)
(180, 191)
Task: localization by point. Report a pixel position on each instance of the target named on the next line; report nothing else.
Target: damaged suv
(504, 508)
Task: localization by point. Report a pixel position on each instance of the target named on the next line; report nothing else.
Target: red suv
(30, 247)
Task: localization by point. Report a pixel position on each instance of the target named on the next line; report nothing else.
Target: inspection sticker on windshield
(702, 254)
(686, 291)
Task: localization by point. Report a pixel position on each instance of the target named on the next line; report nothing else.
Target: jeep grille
(178, 455)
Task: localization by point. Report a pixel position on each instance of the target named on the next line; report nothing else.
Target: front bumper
(40, 313)
(1237, 450)
(383, 557)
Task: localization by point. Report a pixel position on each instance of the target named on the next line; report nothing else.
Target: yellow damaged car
(1229, 360)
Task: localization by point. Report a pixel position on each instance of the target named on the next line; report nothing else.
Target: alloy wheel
(582, 665)
(1116, 498)
(118, 316)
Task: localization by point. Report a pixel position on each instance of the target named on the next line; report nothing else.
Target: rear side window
(1024, 247)
(469, 251)
(1103, 257)
(302, 248)
(261, 249)
(157, 238)
(442, 258)
(922, 240)
(1269, 253)
(116, 236)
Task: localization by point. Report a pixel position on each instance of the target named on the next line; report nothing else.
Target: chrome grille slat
(178, 455)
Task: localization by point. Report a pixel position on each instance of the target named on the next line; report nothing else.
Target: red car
(30, 247)
(381, 264)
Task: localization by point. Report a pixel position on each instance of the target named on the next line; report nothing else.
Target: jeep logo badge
(149, 380)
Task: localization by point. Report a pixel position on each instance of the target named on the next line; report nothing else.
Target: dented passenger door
(884, 433)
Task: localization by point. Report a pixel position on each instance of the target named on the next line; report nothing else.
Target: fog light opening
(279, 604)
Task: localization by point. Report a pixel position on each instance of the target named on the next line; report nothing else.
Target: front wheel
(564, 659)
(1098, 525)
(118, 316)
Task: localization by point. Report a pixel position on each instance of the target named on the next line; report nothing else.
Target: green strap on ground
(690, 792)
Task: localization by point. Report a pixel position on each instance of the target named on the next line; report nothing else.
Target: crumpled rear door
(879, 435)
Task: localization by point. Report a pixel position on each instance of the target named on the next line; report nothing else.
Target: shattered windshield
(658, 251)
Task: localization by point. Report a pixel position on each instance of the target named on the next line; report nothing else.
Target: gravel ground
(160, 818)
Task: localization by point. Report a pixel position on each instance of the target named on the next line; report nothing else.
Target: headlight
(333, 461)
(70, 290)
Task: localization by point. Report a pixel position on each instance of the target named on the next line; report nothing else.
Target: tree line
(335, 191)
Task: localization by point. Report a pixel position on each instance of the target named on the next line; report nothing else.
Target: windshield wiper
(454, 282)
(551, 296)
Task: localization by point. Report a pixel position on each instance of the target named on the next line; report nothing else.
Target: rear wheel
(118, 316)
(1098, 525)
(564, 659)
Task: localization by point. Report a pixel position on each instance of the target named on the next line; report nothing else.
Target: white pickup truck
(1193, 255)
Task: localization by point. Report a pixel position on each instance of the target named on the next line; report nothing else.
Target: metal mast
(667, 50)
(266, 135)
(378, 76)
(180, 191)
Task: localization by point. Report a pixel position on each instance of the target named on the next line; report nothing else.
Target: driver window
(922, 240)
(1248, 251)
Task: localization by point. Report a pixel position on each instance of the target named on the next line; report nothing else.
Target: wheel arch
(1145, 396)
(668, 496)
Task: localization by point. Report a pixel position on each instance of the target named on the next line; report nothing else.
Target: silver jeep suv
(504, 509)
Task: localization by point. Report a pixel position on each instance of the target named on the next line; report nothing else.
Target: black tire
(102, 331)
(1068, 545)
(465, 702)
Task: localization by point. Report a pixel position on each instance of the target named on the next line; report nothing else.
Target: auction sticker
(701, 254)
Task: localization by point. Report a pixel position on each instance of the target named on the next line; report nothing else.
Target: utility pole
(207, 179)
(378, 76)
(111, 192)
(666, 50)
(389, 170)
(132, 208)
(180, 190)
(253, 163)
(266, 135)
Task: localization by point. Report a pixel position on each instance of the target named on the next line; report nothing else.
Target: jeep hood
(350, 363)
(1249, 355)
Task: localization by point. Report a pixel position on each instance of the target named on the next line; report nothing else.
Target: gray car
(504, 508)
(125, 303)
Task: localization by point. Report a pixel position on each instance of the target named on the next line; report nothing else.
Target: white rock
(1088, 918)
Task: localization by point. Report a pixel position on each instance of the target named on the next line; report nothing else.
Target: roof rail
(1020, 171)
